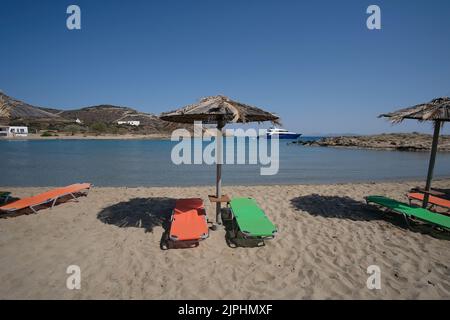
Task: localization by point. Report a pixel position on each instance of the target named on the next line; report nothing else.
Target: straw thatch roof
(219, 108)
(435, 110)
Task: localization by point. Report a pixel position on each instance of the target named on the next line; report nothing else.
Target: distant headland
(388, 141)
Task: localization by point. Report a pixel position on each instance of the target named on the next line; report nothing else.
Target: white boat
(281, 134)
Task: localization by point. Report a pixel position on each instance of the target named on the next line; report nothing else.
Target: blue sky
(313, 62)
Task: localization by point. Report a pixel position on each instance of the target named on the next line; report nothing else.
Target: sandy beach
(62, 136)
(104, 136)
(327, 237)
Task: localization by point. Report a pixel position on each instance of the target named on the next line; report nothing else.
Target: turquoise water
(148, 163)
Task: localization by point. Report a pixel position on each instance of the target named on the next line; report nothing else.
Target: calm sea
(148, 163)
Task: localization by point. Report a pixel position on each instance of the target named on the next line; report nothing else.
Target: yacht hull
(285, 136)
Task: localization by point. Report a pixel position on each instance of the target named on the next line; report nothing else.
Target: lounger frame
(405, 216)
(239, 234)
(203, 236)
(168, 239)
(53, 200)
(388, 210)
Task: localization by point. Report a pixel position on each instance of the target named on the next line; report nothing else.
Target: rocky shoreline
(391, 141)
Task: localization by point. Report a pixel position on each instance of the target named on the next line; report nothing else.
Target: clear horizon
(315, 64)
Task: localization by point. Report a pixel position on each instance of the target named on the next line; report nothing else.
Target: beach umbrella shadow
(145, 213)
(335, 207)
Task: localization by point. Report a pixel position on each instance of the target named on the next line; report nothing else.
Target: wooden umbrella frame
(221, 110)
(438, 111)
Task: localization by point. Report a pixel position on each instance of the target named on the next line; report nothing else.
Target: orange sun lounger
(432, 200)
(46, 197)
(188, 221)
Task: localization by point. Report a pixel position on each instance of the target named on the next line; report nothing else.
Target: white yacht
(281, 134)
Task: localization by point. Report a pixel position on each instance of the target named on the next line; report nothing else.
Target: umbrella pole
(220, 126)
(437, 128)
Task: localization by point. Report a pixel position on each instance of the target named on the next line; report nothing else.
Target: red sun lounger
(432, 200)
(188, 222)
(46, 197)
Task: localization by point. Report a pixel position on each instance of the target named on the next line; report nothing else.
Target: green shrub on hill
(99, 127)
(74, 129)
(46, 134)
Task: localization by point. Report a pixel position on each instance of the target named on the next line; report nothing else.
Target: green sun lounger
(250, 219)
(409, 212)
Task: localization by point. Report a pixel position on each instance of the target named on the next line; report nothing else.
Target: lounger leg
(406, 220)
(53, 203)
(74, 198)
(31, 207)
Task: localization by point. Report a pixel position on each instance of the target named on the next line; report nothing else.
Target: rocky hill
(391, 141)
(96, 119)
(11, 108)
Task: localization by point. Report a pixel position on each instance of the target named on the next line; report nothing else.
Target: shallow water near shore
(148, 163)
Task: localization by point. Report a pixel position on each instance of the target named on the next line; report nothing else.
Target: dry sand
(67, 136)
(327, 238)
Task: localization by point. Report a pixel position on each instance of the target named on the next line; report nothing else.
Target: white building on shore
(13, 131)
(130, 123)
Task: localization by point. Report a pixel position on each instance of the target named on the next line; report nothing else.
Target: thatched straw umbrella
(219, 110)
(438, 111)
